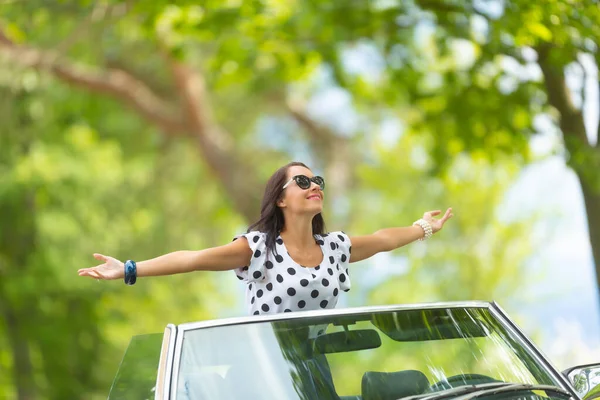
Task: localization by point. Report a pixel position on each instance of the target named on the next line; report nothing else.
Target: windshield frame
(501, 315)
(495, 311)
(165, 365)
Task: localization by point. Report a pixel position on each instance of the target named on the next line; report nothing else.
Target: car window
(136, 376)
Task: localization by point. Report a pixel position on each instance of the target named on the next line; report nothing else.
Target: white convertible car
(435, 351)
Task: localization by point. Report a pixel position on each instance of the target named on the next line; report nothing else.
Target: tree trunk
(18, 241)
(22, 368)
(582, 154)
(592, 207)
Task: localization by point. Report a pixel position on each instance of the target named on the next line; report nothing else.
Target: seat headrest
(393, 385)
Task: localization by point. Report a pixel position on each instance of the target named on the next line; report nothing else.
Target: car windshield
(377, 355)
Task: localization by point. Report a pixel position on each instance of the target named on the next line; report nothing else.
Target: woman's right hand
(110, 269)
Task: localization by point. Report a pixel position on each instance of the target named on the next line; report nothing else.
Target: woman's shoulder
(336, 236)
(254, 236)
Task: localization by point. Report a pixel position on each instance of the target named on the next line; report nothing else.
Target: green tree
(185, 160)
(440, 70)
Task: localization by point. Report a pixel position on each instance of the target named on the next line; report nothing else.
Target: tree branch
(4, 40)
(321, 138)
(113, 82)
(237, 175)
(571, 119)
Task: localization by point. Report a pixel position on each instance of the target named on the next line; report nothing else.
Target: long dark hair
(271, 219)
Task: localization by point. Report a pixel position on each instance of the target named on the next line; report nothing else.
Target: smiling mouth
(314, 197)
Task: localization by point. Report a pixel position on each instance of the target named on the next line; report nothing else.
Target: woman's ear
(281, 202)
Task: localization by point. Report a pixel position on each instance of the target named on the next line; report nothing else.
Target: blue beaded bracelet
(130, 272)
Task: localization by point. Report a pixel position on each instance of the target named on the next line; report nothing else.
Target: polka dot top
(276, 283)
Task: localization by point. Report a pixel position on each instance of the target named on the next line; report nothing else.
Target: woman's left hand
(437, 224)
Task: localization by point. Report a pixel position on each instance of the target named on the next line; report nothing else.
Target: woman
(286, 259)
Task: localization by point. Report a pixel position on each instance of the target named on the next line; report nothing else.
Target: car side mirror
(585, 379)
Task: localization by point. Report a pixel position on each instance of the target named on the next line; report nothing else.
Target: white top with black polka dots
(276, 283)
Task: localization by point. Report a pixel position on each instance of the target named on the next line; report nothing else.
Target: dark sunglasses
(304, 181)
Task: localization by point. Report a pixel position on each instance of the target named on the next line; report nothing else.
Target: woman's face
(298, 200)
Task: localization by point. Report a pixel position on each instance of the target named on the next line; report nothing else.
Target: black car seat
(393, 385)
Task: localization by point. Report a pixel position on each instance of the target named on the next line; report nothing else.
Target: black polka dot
(256, 274)
(304, 282)
(341, 238)
(335, 291)
(287, 310)
(250, 286)
(269, 286)
(331, 259)
(279, 278)
(240, 278)
(330, 271)
(257, 253)
(313, 275)
(245, 269)
(337, 266)
(291, 271)
(320, 242)
(342, 278)
(259, 293)
(265, 307)
(332, 245)
(346, 290)
(323, 304)
(325, 282)
(344, 258)
(256, 313)
(314, 294)
(318, 267)
(269, 265)
(279, 241)
(347, 272)
(252, 301)
(279, 258)
(291, 291)
(337, 246)
(255, 239)
(277, 300)
(301, 304)
(350, 250)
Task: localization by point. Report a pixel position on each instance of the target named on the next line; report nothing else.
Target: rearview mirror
(339, 342)
(585, 379)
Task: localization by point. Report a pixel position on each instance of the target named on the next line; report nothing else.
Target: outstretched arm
(389, 239)
(222, 258)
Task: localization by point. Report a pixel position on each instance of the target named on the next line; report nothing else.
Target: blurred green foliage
(83, 170)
